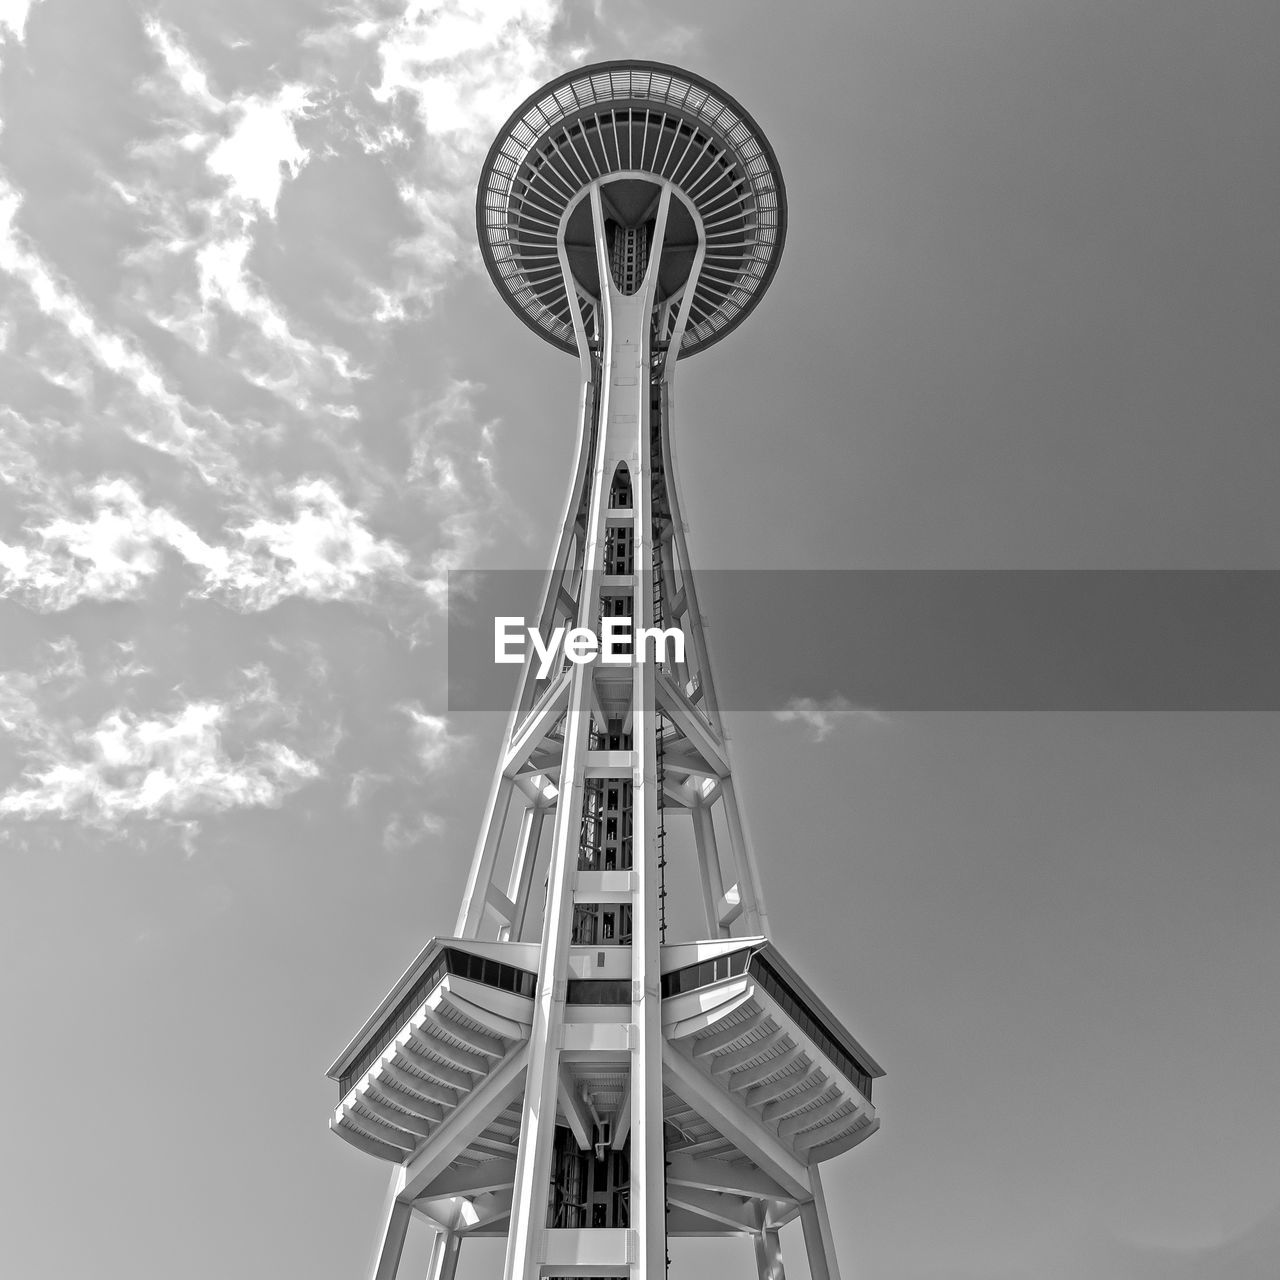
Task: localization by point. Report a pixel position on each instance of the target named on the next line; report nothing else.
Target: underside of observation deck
(760, 1083)
(631, 121)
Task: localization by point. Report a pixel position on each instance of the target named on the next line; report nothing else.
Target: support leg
(522, 869)
(471, 916)
(395, 1226)
(444, 1256)
(768, 1254)
(704, 836)
(757, 920)
(819, 1243)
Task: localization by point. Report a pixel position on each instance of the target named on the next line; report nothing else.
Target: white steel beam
(389, 1244)
(729, 1210)
(575, 1113)
(444, 1256)
(708, 854)
(736, 1123)
(491, 1097)
(819, 1242)
(719, 1175)
(768, 1247)
(489, 1175)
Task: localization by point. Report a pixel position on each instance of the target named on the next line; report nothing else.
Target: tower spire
(558, 1072)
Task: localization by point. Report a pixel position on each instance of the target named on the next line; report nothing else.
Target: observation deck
(630, 125)
(760, 1079)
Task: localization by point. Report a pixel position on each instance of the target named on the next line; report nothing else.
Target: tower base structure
(760, 1085)
(558, 1073)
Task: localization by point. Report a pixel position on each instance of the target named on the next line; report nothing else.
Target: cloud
(262, 145)
(404, 831)
(111, 351)
(451, 464)
(434, 743)
(317, 549)
(200, 758)
(109, 555)
(13, 16)
(823, 718)
(246, 148)
(461, 67)
(321, 551)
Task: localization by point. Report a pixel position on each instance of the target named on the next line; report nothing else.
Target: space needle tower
(560, 1072)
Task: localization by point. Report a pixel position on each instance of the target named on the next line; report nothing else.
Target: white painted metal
(819, 1243)
(444, 1255)
(720, 1061)
(768, 1254)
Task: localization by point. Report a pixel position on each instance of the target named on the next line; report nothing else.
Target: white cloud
(262, 145)
(13, 16)
(823, 718)
(466, 64)
(112, 352)
(319, 550)
(247, 147)
(221, 267)
(322, 551)
(108, 556)
(404, 831)
(462, 66)
(433, 741)
(187, 73)
(451, 464)
(172, 766)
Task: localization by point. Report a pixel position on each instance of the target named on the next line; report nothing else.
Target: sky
(258, 397)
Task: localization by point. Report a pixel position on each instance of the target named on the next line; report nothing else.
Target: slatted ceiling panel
(777, 1054)
(738, 1017)
(421, 1042)
(856, 1125)
(446, 1016)
(849, 1114)
(829, 1094)
(802, 1079)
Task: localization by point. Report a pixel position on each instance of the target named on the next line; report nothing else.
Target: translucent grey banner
(940, 640)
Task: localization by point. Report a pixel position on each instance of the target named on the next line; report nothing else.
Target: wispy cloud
(434, 742)
(460, 67)
(320, 551)
(405, 831)
(451, 466)
(169, 426)
(239, 152)
(314, 547)
(173, 764)
(822, 719)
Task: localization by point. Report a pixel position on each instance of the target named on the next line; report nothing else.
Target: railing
(463, 964)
